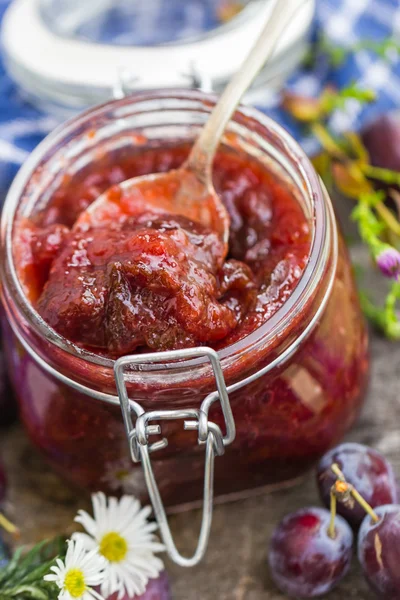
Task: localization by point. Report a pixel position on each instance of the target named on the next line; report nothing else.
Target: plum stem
(331, 528)
(8, 526)
(356, 495)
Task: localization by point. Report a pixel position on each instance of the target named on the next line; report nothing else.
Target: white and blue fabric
(343, 22)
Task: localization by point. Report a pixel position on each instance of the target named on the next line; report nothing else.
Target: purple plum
(382, 140)
(157, 589)
(8, 404)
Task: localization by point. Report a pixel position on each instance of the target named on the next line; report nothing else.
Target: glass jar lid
(68, 54)
(138, 23)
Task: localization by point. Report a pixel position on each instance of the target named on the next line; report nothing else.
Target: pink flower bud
(388, 261)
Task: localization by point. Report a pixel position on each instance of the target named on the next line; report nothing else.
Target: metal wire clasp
(210, 434)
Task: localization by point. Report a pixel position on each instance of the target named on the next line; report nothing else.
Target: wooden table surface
(235, 567)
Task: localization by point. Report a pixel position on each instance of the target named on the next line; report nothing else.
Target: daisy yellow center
(74, 583)
(113, 547)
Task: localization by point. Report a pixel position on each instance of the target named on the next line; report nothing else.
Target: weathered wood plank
(235, 567)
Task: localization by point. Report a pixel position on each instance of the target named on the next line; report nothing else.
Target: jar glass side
(286, 418)
(162, 119)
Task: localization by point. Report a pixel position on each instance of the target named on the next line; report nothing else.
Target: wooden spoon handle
(201, 157)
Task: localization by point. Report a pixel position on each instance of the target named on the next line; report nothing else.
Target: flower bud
(388, 260)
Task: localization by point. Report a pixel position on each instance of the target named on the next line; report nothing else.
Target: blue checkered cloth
(343, 22)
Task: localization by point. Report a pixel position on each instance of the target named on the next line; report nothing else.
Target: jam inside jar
(281, 311)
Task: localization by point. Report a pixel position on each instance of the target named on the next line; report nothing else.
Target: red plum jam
(280, 307)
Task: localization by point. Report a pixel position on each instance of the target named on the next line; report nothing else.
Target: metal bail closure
(139, 431)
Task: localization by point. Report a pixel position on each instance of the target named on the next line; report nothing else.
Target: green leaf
(29, 591)
(369, 224)
(331, 145)
(373, 198)
(385, 175)
(355, 92)
(384, 318)
(382, 48)
(303, 108)
(350, 180)
(22, 578)
(38, 573)
(334, 99)
(356, 147)
(8, 571)
(337, 55)
(345, 164)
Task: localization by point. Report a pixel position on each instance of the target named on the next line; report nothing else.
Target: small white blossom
(121, 478)
(78, 573)
(121, 533)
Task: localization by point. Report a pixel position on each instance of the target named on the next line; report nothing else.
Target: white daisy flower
(121, 478)
(122, 535)
(78, 573)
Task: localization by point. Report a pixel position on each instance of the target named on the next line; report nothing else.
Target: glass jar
(295, 385)
(130, 45)
(134, 23)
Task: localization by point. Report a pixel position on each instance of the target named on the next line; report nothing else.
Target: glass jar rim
(277, 323)
(33, 58)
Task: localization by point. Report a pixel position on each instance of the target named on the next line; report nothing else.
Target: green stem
(331, 528)
(385, 175)
(363, 503)
(392, 329)
(388, 217)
